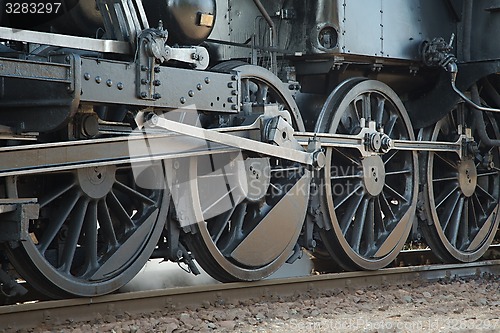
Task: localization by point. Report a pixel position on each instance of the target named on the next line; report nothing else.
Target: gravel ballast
(471, 305)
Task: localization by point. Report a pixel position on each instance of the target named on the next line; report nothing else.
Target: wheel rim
(96, 228)
(463, 195)
(370, 200)
(249, 240)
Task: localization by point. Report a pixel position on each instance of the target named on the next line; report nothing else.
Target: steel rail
(77, 310)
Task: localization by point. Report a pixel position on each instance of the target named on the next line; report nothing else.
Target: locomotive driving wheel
(255, 232)
(461, 196)
(370, 200)
(96, 228)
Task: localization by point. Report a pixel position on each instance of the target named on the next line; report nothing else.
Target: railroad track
(29, 315)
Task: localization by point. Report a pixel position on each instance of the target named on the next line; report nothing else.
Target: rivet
(144, 68)
(144, 81)
(183, 100)
(156, 96)
(119, 86)
(230, 85)
(144, 94)
(234, 92)
(109, 82)
(199, 86)
(191, 93)
(86, 76)
(207, 80)
(230, 99)
(156, 83)
(157, 69)
(234, 107)
(98, 79)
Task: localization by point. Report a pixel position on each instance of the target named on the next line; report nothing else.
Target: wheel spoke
(463, 230)
(341, 201)
(262, 92)
(350, 158)
(134, 193)
(397, 173)
(486, 193)
(54, 194)
(348, 215)
(369, 227)
(443, 179)
(359, 224)
(220, 199)
(367, 106)
(445, 160)
(90, 242)
(449, 210)
(220, 223)
(74, 231)
(229, 242)
(106, 225)
(386, 207)
(455, 222)
(487, 174)
(356, 176)
(389, 127)
(379, 224)
(484, 214)
(396, 193)
(121, 214)
(380, 111)
(389, 156)
(445, 194)
(57, 222)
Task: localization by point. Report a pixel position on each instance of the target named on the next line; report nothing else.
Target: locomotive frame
(111, 156)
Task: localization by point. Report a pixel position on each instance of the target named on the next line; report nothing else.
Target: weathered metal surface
(113, 82)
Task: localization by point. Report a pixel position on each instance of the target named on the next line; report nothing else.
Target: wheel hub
(467, 177)
(373, 175)
(97, 181)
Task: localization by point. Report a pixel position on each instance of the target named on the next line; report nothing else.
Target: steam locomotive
(234, 134)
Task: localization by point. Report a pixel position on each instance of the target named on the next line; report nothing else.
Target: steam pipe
(270, 22)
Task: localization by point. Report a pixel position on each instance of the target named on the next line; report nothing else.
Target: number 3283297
(32, 7)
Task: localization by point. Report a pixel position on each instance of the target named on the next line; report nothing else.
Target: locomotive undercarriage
(138, 159)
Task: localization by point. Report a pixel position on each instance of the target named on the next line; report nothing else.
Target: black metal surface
(50, 83)
(225, 243)
(370, 201)
(183, 19)
(461, 196)
(95, 230)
